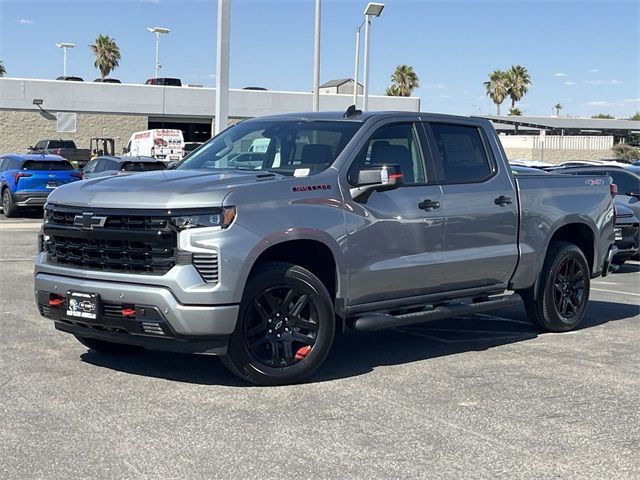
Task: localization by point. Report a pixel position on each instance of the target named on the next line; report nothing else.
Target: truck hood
(157, 189)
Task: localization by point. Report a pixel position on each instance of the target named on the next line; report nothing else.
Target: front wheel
(562, 294)
(285, 327)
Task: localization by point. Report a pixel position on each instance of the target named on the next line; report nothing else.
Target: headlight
(222, 219)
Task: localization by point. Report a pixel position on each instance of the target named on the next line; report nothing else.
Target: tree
(404, 81)
(515, 112)
(622, 151)
(603, 115)
(3, 70)
(519, 81)
(557, 108)
(497, 88)
(635, 116)
(107, 54)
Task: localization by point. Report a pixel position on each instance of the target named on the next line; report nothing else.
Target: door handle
(428, 205)
(502, 200)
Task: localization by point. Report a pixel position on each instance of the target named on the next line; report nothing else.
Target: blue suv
(27, 180)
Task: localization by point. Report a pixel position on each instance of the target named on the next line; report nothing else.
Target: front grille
(127, 242)
(207, 266)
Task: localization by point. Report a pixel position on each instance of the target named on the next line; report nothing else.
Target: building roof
(337, 82)
(567, 123)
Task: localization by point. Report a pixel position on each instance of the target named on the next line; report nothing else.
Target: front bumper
(30, 199)
(160, 322)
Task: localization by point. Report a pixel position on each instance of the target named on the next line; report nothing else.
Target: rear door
(395, 238)
(480, 206)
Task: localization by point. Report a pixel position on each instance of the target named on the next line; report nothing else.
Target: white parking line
(20, 226)
(17, 260)
(616, 291)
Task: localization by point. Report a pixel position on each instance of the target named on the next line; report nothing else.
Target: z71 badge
(594, 181)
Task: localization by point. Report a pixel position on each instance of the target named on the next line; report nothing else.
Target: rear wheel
(562, 294)
(108, 348)
(285, 328)
(8, 206)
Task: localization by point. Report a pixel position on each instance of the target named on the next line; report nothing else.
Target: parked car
(164, 144)
(627, 234)
(70, 79)
(108, 165)
(107, 80)
(64, 148)
(27, 180)
(265, 264)
(191, 146)
(626, 178)
(167, 82)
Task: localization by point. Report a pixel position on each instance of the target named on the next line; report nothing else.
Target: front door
(395, 238)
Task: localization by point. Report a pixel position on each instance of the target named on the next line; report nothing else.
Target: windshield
(289, 147)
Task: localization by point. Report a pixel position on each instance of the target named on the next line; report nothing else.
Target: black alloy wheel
(569, 282)
(281, 326)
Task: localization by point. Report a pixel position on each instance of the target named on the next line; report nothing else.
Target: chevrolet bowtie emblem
(89, 221)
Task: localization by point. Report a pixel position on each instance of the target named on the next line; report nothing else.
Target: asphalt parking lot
(478, 397)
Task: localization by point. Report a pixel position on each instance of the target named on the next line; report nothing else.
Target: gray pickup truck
(354, 220)
(65, 148)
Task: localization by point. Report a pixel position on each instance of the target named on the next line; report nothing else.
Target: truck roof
(362, 116)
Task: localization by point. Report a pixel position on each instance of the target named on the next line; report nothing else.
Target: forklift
(102, 146)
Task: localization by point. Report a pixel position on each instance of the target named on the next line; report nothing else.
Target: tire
(108, 348)
(285, 328)
(8, 207)
(563, 289)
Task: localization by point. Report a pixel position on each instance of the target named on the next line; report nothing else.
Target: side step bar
(380, 321)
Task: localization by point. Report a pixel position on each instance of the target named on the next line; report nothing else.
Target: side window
(461, 154)
(625, 182)
(393, 144)
(90, 167)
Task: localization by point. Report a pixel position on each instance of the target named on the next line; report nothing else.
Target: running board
(380, 321)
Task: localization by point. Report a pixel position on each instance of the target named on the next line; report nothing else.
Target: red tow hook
(128, 312)
(56, 302)
(302, 352)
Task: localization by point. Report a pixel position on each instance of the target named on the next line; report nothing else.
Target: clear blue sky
(583, 54)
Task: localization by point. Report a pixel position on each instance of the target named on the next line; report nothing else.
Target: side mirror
(634, 194)
(31, 147)
(172, 165)
(124, 150)
(379, 178)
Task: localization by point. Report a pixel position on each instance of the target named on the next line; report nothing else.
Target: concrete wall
(557, 149)
(19, 129)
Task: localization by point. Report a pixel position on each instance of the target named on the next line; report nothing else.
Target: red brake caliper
(302, 352)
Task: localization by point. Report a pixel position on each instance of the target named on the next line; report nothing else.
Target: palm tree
(515, 112)
(497, 87)
(107, 54)
(404, 81)
(2, 69)
(558, 107)
(519, 81)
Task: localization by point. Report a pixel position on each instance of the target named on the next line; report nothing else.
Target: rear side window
(461, 153)
(142, 166)
(62, 144)
(42, 165)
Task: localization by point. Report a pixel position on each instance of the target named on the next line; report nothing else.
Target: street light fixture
(158, 31)
(372, 10)
(64, 46)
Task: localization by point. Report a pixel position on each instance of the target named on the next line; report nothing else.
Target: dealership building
(32, 110)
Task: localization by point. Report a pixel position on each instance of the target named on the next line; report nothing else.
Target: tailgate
(39, 180)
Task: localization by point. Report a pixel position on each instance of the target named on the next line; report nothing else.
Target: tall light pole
(357, 68)
(222, 66)
(372, 10)
(158, 31)
(316, 60)
(64, 47)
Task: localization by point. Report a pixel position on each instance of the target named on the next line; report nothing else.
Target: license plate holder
(83, 305)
